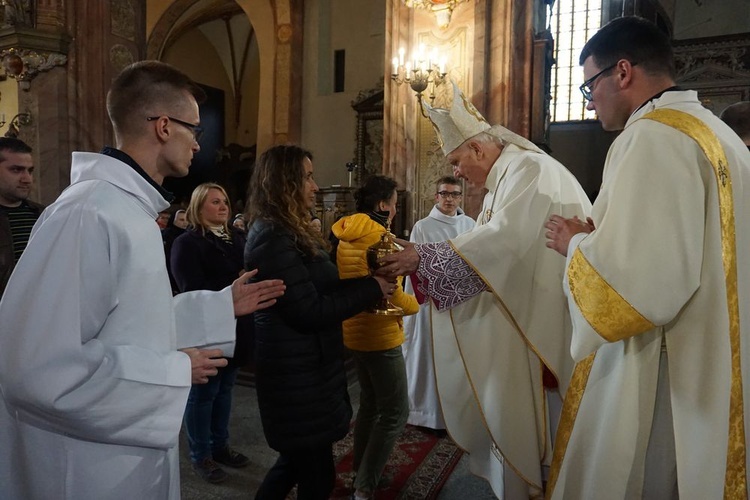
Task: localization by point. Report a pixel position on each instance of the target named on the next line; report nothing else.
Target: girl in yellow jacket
(375, 341)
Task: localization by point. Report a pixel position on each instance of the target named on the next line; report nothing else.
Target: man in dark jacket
(17, 213)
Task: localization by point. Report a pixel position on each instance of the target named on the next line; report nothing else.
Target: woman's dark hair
(375, 189)
(277, 195)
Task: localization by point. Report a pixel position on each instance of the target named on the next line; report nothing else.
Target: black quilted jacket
(299, 350)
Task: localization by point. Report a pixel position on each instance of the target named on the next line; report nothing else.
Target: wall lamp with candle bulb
(422, 72)
(19, 120)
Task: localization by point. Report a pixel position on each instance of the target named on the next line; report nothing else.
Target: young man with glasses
(659, 290)
(93, 384)
(445, 221)
(499, 317)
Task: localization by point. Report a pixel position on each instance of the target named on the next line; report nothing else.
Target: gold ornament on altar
(385, 246)
(441, 8)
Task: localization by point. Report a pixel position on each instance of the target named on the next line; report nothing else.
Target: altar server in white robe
(93, 384)
(659, 290)
(446, 220)
(499, 315)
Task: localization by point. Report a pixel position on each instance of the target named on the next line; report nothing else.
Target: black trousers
(311, 469)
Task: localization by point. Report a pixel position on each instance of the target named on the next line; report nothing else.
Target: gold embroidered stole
(605, 309)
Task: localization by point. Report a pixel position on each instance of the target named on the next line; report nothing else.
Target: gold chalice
(385, 246)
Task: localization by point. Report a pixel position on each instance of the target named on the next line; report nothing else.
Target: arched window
(573, 23)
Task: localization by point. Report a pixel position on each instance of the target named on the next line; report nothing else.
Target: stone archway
(279, 32)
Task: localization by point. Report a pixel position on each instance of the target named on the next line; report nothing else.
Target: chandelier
(441, 8)
(422, 72)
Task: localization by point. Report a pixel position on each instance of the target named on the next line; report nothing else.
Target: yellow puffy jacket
(368, 332)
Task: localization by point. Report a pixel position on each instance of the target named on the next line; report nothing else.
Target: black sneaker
(210, 471)
(227, 456)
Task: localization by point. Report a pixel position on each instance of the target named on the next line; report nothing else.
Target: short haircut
(737, 116)
(148, 88)
(447, 179)
(635, 39)
(13, 145)
(376, 188)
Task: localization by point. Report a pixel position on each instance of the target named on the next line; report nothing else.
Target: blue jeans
(383, 410)
(207, 413)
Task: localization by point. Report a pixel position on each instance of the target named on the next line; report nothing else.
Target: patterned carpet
(417, 469)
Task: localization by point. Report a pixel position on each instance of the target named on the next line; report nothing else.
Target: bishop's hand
(400, 263)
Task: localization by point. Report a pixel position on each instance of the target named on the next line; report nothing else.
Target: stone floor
(247, 437)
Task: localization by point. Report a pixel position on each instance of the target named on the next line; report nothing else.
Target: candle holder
(422, 73)
(350, 166)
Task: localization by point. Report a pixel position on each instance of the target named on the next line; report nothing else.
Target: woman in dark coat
(175, 227)
(299, 352)
(209, 256)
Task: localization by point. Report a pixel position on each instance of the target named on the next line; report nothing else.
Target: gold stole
(600, 311)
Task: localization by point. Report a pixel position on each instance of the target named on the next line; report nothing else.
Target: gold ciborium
(385, 246)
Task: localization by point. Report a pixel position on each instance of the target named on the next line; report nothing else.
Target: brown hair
(277, 195)
(635, 39)
(148, 88)
(197, 199)
(447, 179)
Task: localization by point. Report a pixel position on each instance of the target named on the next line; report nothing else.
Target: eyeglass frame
(450, 194)
(586, 87)
(197, 130)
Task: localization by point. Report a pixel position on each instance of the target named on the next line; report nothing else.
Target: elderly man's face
(470, 162)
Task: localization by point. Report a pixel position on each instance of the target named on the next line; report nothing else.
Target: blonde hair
(197, 199)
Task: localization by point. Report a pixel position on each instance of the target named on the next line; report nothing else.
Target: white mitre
(462, 121)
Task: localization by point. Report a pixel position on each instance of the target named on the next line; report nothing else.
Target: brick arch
(279, 34)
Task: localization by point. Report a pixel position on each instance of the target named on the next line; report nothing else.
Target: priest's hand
(204, 363)
(251, 297)
(400, 263)
(560, 231)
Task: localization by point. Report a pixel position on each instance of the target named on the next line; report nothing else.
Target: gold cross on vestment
(723, 174)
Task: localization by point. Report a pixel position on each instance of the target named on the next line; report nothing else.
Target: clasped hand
(560, 231)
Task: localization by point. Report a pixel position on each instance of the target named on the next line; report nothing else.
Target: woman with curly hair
(299, 352)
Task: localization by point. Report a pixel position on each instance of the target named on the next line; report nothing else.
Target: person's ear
(161, 128)
(624, 71)
(477, 149)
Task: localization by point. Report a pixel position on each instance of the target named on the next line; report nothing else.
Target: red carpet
(417, 469)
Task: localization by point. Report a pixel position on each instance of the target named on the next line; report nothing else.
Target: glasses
(450, 194)
(197, 130)
(588, 86)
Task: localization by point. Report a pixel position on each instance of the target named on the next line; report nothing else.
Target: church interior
(319, 73)
(331, 76)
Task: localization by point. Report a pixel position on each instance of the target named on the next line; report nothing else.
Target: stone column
(64, 63)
